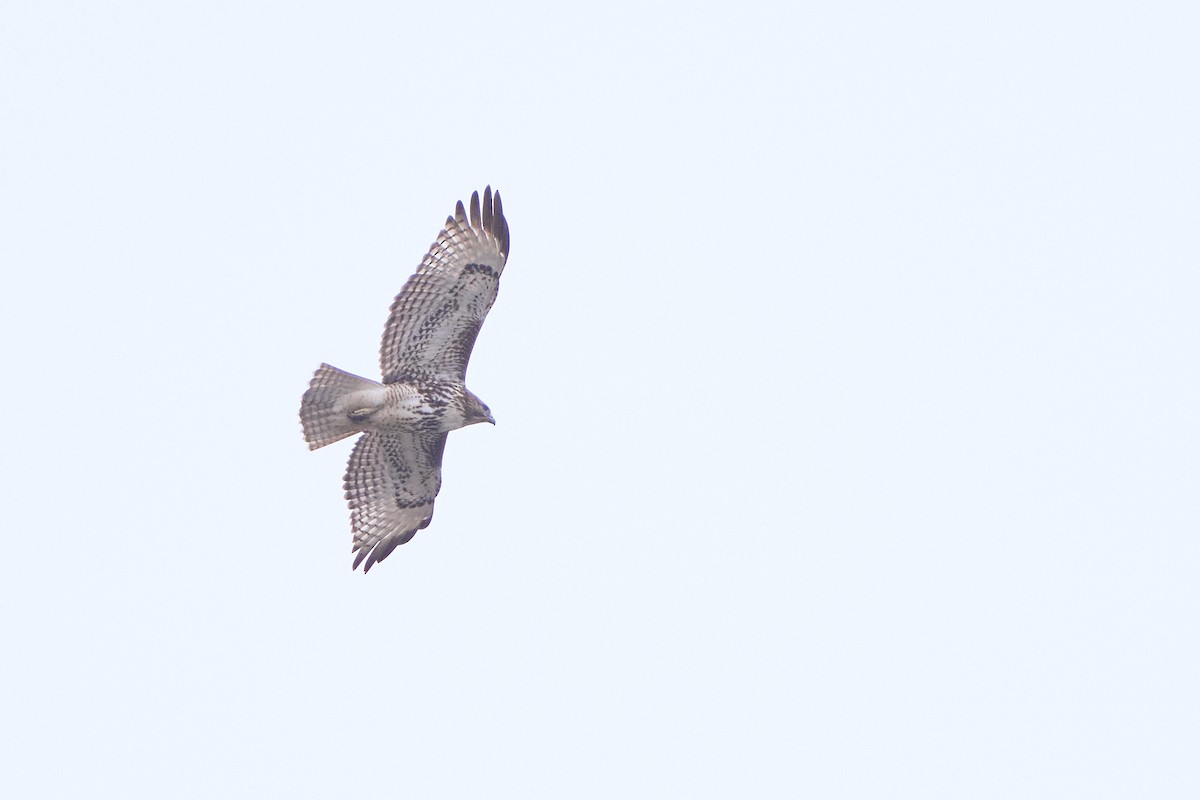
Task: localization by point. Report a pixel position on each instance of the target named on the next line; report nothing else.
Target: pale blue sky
(845, 372)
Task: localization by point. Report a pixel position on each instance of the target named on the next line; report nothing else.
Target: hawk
(395, 470)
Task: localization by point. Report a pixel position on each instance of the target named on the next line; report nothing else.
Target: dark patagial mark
(479, 269)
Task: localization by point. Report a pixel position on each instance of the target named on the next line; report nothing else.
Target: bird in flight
(395, 470)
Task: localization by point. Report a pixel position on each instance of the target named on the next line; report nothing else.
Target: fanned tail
(324, 418)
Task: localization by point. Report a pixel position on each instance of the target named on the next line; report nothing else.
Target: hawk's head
(475, 410)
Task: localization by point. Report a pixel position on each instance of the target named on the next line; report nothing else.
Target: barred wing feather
(391, 481)
(435, 318)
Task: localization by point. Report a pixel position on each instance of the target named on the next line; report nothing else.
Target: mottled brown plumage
(394, 473)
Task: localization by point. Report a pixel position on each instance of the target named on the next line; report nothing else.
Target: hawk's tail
(324, 418)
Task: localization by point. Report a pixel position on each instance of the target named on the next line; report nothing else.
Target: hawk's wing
(391, 481)
(433, 322)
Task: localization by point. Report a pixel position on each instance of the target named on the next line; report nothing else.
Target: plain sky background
(845, 366)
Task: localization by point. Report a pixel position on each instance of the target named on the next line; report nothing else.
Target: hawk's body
(395, 470)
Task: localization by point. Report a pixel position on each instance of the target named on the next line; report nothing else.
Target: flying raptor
(395, 471)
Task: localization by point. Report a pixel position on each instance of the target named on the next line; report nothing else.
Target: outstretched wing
(391, 481)
(433, 322)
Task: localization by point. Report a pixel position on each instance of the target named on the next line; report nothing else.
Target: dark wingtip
(487, 215)
(476, 219)
(370, 555)
(487, 209)
(497, 224)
